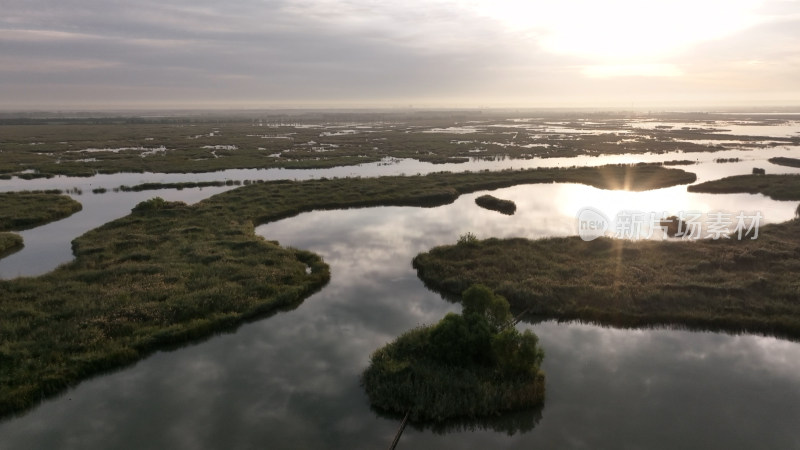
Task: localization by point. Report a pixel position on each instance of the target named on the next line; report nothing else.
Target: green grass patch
(777, 187)
(730, 285)
(170, 273)
(468, 365)
(23, 210)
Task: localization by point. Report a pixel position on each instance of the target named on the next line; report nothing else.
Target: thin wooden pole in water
(400, 431)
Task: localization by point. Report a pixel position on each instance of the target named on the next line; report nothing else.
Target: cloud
(325, 52)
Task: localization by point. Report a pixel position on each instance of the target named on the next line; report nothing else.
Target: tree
(481, 300)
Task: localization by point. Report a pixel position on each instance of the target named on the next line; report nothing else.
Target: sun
(621, 32)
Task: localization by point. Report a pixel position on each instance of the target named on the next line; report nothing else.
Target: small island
(469, 365)
(487, 201)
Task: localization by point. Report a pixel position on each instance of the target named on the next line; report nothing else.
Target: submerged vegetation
(470, 365)
(737, 286)
(169, 273)
(23, 210)
(493, 203)
(777, 187)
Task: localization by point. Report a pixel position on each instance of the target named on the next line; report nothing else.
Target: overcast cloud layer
(359, 53)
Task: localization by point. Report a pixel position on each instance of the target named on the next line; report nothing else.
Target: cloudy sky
(85, 54)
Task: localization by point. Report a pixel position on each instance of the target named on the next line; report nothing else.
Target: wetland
(276, 322)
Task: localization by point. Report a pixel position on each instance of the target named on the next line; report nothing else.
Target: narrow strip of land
(784, 161)
(777, 187)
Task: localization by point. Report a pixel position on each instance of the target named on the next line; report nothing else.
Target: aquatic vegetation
(493, 203)
(726, 284)
(778, 187)
(23, 210)
(473, 364)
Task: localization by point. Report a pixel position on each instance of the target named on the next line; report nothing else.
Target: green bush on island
(496, 204)
(473, 364)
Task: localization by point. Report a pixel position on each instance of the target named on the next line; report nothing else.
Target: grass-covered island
(493, 203)
(169, 273)
(726, 284)
(472, 364)
(777, 187)
(23, 210)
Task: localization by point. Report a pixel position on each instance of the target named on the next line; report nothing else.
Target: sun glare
(621, 31)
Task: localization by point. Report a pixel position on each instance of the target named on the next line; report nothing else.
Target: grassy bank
(731, 285)
(9, 243)
(493, 203)
(777, 187)
(23, 210)
(169, 273)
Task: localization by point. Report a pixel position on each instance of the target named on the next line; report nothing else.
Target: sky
(112, 54)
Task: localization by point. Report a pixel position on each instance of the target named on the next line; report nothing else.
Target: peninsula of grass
(727, 284)
(170, 273)
(777, 187)
(493, 203)
(784, 161)
(469, 365)
(24, 210)
(10, 243)
(179, 186)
